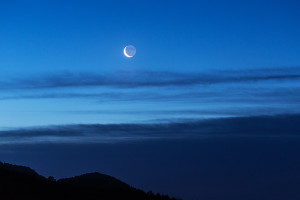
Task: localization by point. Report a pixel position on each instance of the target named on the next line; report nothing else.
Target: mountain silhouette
(19, 169)
(97, 180)
(20, 182)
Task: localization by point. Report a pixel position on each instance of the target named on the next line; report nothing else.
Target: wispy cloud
(280, 125)
(142, 96)
(240, 94)
(134, 79)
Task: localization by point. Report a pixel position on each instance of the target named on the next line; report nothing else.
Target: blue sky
(63, 39)
(76, 35)
(203, 70)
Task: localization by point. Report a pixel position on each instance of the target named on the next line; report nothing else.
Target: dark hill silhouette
(19, 169)
(97, 180)
(19, 182)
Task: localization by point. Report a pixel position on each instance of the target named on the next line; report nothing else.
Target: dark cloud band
(134, 79)
(262, 126)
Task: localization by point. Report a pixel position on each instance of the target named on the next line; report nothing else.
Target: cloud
(262, 126)
(135, 79)
(242, 95)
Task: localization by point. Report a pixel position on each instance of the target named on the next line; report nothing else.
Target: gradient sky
(65, 85)
(58, 58)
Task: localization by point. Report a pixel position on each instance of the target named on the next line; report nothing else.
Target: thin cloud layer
(241, 94)
(262, 126)
(135, 79)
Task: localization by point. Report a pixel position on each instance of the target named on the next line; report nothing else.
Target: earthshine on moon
(129, 51)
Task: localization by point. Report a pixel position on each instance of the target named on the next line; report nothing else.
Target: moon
(129, 51)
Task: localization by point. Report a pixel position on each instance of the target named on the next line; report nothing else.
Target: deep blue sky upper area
(168, 35)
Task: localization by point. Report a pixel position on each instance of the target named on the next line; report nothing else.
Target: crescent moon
(125, 53)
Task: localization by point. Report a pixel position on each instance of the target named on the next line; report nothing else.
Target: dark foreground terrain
(18, 182)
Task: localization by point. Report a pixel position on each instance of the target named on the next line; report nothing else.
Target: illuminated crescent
(125, 53)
